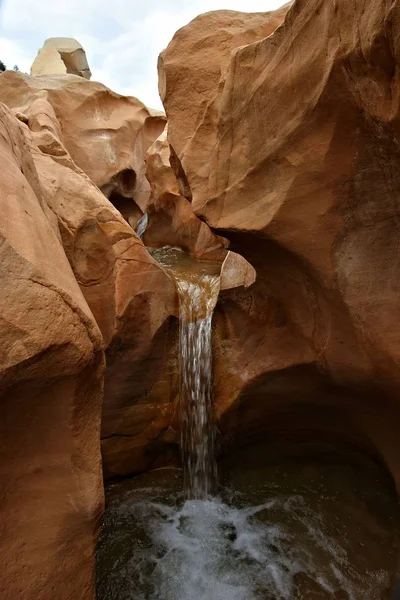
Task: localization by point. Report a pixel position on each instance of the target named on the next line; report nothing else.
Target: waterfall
(280, 530)
(197, 298)
(142, 225)
(197, 283)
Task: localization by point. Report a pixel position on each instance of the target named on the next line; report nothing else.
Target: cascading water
(323, 532)
(197, 284)
(142, 225)
(197, 298)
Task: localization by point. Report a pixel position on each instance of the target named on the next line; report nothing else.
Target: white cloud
(122, 38)
(12, 54)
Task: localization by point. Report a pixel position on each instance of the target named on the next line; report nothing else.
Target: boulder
(288, 145)
(236, 272)
(60, 56)
(51, 385)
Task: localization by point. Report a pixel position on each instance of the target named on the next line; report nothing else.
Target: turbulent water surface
(292, 531)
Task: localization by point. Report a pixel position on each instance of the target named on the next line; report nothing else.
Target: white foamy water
(209, 550)
(215, 551)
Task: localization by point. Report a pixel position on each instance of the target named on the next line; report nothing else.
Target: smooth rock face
(286, 142)
(51, 382)
(171, 218)
(60, 56)
(129, 294)
(191, 95)
(289, 147)
(107, 135)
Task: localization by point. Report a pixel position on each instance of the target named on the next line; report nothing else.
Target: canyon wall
(89, 143)
(51, 388)
(288, 146)
(77, 282)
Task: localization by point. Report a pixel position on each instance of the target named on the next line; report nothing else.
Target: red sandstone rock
(129, 294)
(51, 380)
(171, 218)
(236, 272)
(289, 147)
(191, 75)
(107, 135)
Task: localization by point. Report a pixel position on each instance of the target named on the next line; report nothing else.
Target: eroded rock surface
(191, 74)
(107, 135)
(51, 387)
(130, 296)
(171, 218)
(283, 139)
(288, 146)
(60, 56)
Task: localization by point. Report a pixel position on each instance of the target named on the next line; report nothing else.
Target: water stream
(142, 225)
(197, 298)
(321, 527)
(197, 283)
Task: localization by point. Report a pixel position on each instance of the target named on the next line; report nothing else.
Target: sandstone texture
(129, 294)
(287, 143)
(281, 163)
(76, 281)
(51, 387)
(79, 286)
(171, 218)
(191, 73)
(60, 56)
(107, 135)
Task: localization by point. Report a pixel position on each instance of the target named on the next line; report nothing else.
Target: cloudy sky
(122, 38)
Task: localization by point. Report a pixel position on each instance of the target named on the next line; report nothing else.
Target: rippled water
(282, 532)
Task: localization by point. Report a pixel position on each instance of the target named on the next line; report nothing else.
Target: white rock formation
(60, 56)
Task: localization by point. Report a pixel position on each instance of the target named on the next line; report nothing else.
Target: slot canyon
(200, 315)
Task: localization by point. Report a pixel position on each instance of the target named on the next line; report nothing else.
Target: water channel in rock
(287, 522)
